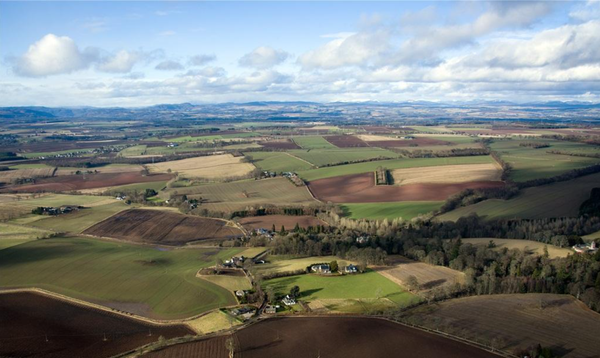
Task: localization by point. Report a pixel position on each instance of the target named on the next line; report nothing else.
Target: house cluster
(243, 312)
(325, 269)
(583, 248)
(271, 309)
(234, 262)
(48, 210)
(294, 178)
(268, 174)
(264, 232)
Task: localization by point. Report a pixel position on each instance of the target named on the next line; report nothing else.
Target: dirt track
(27, 319)
(361, 188)
(334, 337)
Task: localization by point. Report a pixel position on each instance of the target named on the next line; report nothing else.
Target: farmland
(212, 167)
(109, 274)
(277, 162)
(165, 228)
(321, 157)
(345, 141)
(230, 196)
(517, 321)
(428, 276)
(282, 264)
(9, 176)
(527, 246)
(35, 325)
(552, 200)
(278, 221)
(11, 235)
(313, 142)
(447, 174)
(379, 211)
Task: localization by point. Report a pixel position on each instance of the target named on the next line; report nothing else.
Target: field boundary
(303, 160)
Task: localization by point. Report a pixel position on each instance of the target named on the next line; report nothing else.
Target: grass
(284, 264)
(12, 206)
(554, 200)
(133, 151)
(277, 162)
(161, 282)
(368, 285)
(379, 211)
(529, 163)
(358, 168)
(321, 157)
(230, 283)
(313, 142)
(77, 222)
(12, 235)
(213, 322)
(230, 196)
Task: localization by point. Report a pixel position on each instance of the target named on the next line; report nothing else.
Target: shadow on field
(28, 253)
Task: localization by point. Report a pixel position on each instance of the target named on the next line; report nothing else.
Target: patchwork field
(35, 325)
(390, 164)
(313, 142)
(321, 157)
(107, 169)
(229, 197)
(379, 211)
(76, 222)
(428, 276)
(280, 144)
(447, 174)
(133, 278)
(518, 321)
(162, 227)
(345, 141)
(361, 188)
(349, 337)
(287, 221)
(553, 200)
(9, 176)
(533, 247)
(211, 167)
(277, 162)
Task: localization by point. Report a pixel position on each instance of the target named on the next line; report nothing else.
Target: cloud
(169, 65)
(121, 62)
(263, 58)
(201, 60)
(167, 33)
(52, 55)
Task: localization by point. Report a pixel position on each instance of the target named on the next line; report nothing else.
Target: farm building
(323, 269)
(289, 300)
(350, 269)
(589, 248)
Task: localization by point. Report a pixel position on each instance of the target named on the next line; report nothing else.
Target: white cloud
(263, 57)
(52, 55)
(201, 60)
(121, 62)
(169, 65)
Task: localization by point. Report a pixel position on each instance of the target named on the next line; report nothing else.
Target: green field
(321, 157)
(379, 211)
(553, 200)
(230, 196)
(366, 167)
(529, 163)
(313, 142)
(277, 162)
(160, 283)
(133, 151)
(23, 205)
(12, 235)
(359, 286)
(284, 264)
(78, 221)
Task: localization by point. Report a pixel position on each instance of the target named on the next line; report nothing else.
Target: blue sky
(143, 53)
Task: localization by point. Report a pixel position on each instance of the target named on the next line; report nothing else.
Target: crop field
(13, 206)
(533, 247)
(303, 337)
(280, 144)
(361, 188)
(277, 162)
(134, 151)
(379, 211)
(320, 157)
(390, 164)
(529, 163)
(35, 325)
(228, 281)
(85, 181)
(230, 196)
(162, 227)
(77, 222)
(155, 185)
(133, 278)
(107, 169)
(214, 321)
(287, 221)
(518, 321)
(313, 142)
(428, 276)
(345, 141)
(447, 174)
(212, 167)
(12, 235)
(368, 285)
(553, 200)
(9, 175)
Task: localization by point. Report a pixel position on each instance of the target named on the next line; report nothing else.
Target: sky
(140, 53)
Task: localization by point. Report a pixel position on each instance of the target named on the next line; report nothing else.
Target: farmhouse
(350, 269)
(270, 309)
(322, 269)
(289, 300)
(589, 248)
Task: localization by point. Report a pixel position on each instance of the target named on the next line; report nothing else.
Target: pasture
(239, 195)
(447, 174)
(282, 264)
(390, 164)
(12, 235)
(211, 167)
(163, 227)
(547, 201)
(379, 211)
(313, 142)
(517, 321)
(133, 278)
(277, 162)
(528, 246)
(321, 157)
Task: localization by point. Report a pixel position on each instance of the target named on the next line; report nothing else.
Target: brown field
(33, 325)
(88, 181)
(162, 227)
(282, 144)
(428, 276)
(212, 167)
(345, 141)
(533, 247)
(447, 174)
(361, 188)
(9, 175)
(287, 221)
(347, 337)
(417, 142)
(518, 321)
